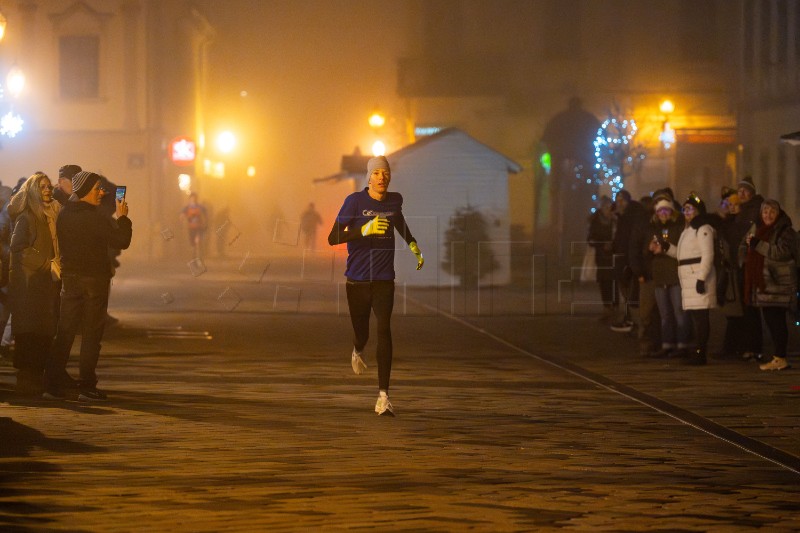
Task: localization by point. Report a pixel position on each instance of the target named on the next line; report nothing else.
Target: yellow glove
(376, 226)
(414, 248)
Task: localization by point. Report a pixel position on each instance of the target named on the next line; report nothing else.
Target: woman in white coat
(695, 255)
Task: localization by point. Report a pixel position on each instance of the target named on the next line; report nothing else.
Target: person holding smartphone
(84, 236)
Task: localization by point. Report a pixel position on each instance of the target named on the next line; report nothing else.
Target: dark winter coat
(601, 233)
(780, 270)
(663, 267)
(84, 237)
(32, 291)
(749, 214)
(5, 244)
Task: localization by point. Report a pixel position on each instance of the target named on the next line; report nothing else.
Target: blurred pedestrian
(366, 222)
(32, 275)
(601, 234)
(770, 277)
(196, 218)
(84, 236)
(309, 221)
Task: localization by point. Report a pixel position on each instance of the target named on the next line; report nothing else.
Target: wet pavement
(247, 417)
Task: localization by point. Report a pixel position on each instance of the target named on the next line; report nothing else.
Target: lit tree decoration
(10, 124)
(617, 157)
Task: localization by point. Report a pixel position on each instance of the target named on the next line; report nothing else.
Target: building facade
(108, 84)
(506, 83)
(769, 98)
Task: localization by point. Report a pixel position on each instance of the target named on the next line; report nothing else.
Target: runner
(366, 222)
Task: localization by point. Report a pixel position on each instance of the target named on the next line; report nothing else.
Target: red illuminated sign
(182, 151)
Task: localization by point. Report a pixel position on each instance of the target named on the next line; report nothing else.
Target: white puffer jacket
(696, 243)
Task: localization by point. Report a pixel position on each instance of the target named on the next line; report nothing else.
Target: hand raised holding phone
(122, 205)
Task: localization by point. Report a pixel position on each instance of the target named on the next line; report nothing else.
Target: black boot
(697, 357)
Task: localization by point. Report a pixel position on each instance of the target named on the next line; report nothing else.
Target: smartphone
(121, 190)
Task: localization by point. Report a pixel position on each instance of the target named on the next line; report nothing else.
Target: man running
(366, 222)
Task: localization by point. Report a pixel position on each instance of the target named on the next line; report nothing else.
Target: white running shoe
(777, 363)
(383, 406)
(357, 362)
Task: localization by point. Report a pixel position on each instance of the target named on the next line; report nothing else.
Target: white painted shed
(438, 175)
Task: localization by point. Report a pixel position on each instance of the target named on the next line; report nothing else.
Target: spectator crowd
(677, 261)
(58, 248)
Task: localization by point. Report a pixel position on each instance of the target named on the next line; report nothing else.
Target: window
(79, 66)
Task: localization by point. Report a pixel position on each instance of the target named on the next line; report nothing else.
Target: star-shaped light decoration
(10, 124)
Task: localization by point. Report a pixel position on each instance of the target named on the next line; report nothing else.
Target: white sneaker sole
(358, 364)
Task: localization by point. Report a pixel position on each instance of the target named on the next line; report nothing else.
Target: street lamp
(378, 148)
(667, 136)
(3, 23)
(377, 120)
(226, 142)
(15, 81)
(11, 123)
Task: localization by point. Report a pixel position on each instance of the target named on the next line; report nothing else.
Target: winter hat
(377, 162)
(664, 202)
(748, 182)
(726, 191)
(67, 171)
(83, 181)
(665, 192)
(771, 203)
(695, 201)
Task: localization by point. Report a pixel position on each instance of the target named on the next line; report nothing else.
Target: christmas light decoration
(615, 153)
(10, 124)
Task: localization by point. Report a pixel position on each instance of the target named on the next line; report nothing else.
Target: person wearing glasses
(695, 255)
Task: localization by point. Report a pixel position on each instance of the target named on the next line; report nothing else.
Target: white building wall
(437, 178)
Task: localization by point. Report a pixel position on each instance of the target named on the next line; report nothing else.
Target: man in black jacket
(63, 189)
(629, 214)
(84, 236)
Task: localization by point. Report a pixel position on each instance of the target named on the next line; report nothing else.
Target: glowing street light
(3, 23)
(15, 81)
(185, 182)
(226, 142)
(377, 120)
(378, 148)
(667, 136)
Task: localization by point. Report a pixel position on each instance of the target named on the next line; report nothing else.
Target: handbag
(589, 266)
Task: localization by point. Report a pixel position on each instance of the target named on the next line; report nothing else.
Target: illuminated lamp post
(667, 136)
(226, 142)
(11, 123)
(376, 121)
